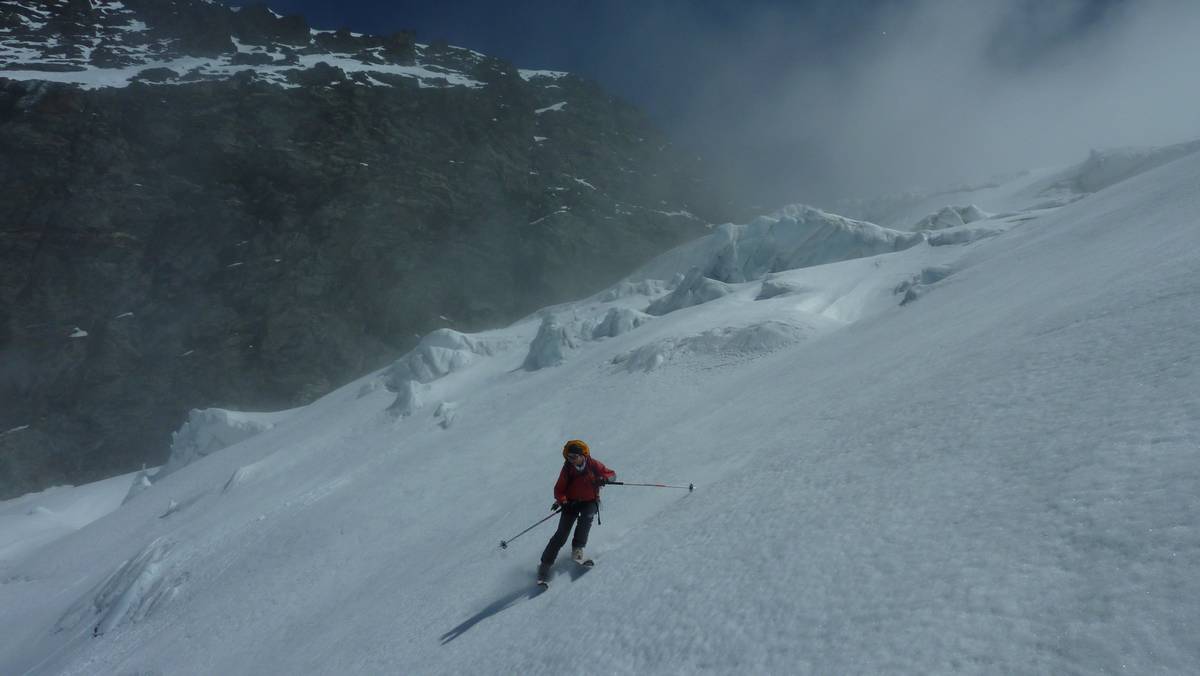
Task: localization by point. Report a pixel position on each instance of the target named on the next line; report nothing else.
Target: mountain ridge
(254, 236)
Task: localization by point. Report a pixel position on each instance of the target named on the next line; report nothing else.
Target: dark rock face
(256, 24)
(235, 243)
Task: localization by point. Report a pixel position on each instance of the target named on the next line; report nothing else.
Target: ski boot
(578, 557)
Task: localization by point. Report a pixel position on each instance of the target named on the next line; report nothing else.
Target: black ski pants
(580, 515)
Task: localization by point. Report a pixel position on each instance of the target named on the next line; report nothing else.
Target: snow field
(29, 522)
(997, 477)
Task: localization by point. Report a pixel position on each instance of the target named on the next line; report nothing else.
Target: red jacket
(582, 486)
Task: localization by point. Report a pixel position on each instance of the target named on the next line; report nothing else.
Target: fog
(812, 100)
(834, 100)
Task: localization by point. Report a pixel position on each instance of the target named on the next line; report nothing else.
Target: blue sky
(816, 99)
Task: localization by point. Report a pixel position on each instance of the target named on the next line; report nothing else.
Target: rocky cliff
(205, 207)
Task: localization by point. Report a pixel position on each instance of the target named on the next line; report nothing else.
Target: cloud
(813, 100)
(812, 104)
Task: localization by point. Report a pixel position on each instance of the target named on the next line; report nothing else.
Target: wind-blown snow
(998, 476)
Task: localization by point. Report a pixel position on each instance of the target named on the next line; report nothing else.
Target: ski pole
(504, 543)
(690, 487)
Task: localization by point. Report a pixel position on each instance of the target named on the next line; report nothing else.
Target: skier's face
(575, 458)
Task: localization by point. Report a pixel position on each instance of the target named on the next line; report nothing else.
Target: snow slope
(1023, 194)
(32, 521)
(972, 458)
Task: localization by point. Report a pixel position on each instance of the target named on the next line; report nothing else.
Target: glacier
(995, 478)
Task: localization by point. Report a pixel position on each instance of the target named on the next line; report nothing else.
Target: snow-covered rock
(446, 414)
(209, 430)
(695, 289)
(1104, 168)
(627, 288)
(773, 286)
(794, 237)
(951, 217)
(439, 353)
(408, 398)
(550, 345)
(436, 356)
(141, 481)
(919, 284)
(619, 320)
(961, 235)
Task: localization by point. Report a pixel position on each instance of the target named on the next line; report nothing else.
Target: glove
(556, 506)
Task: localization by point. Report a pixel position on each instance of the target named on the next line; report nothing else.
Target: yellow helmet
(575, 445)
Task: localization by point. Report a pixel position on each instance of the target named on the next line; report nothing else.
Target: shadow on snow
(504, 603)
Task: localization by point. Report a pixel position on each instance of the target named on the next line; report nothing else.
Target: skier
(577, 494)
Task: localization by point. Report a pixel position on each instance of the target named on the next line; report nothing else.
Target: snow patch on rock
(551, 108)
(528, 75)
